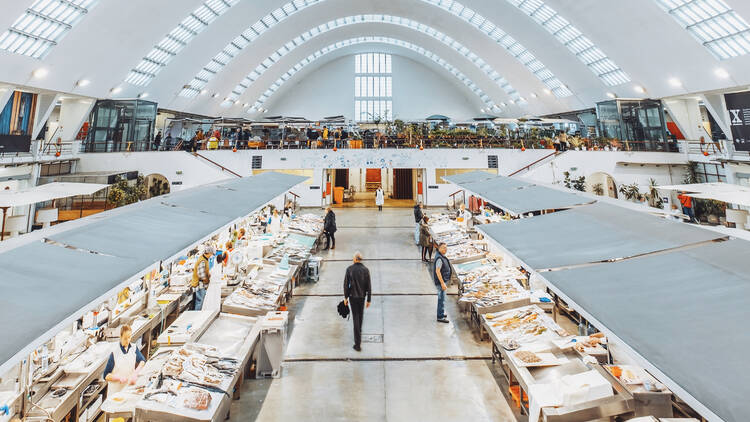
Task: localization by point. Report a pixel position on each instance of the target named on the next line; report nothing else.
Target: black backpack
(343, 310)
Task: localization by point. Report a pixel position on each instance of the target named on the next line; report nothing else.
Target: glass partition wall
(120, 125)
(639, 124)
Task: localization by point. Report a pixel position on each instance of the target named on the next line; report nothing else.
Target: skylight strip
(584, 49)
(506, 41)
(713, 23)
(179, 37)
(394, 20)
(43, 25)
(373, 39)
(194, 87)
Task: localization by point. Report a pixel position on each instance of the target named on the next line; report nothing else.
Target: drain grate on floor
(372, 338)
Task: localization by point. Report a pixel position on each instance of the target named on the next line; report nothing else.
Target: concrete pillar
(73, 113)
(717, 106)
(5, 93)
(686, 114)
(45, 103)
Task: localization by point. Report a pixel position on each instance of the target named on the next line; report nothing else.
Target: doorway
(341, 178)
(403, 184)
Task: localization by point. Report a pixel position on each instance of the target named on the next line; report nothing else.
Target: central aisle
(410, 367)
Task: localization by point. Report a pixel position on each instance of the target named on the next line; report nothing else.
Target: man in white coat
(379, 198)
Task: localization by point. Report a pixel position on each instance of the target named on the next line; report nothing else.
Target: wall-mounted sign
(738, 106)
(314, 187)
(177, 182)
(433, 187)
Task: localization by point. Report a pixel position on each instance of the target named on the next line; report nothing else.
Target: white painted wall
(666, 168)
(193, 171)
(642, 166)
(418, 92)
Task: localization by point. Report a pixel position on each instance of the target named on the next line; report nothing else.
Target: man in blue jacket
(441, 275)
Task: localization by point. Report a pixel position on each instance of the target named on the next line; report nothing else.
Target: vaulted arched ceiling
(568, 54)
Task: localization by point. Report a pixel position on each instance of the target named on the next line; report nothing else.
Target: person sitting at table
(124, 363)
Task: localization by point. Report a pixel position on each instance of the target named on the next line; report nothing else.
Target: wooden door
(342, 178)
(403, 184)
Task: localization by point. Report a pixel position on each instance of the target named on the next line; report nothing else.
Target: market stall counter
(236, 337)
(561, 383)
(72, 388)
(186, 328)
(195, 381)
(485, 286)
(264, 290)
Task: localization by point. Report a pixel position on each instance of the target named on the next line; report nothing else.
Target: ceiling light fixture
(639, 89)
(143, 95)
(722, 73)
(533, 95)
(83, 82)
(115, 90)
(611, 95)
(675, 83)
(40, 73)
(547, 91)
(216, 94)
(204, 91)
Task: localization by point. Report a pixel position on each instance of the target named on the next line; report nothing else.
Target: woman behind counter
(124, 364)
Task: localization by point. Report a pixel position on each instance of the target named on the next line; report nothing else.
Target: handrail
(216, 164)
(528, 167)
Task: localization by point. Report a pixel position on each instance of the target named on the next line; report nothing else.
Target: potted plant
(578, 184)
(654, 199)
(631, 192)
(598, 189)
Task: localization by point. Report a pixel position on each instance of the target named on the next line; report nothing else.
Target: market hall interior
(410, 367)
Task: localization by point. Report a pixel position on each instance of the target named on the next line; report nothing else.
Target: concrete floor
(420, 371)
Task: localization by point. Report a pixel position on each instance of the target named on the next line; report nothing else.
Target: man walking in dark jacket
(441, 275)
(356, 289)
(418, 221)
(329, 228)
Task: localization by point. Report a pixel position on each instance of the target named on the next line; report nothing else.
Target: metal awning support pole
(2, 233)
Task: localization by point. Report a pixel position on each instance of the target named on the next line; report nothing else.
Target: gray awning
(685, 313)
(514, 195)
(473, 176)
(146, 235)
(591, 233)
(170, 223)
(44, 284)
(532, 198)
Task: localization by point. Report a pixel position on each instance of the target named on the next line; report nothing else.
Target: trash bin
(338, 195)
(273, 331)
(313, 269)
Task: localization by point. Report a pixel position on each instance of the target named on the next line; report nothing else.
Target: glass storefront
(120, 125)
(639, 124)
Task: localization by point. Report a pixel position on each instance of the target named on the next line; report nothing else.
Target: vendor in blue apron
(124, 364)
